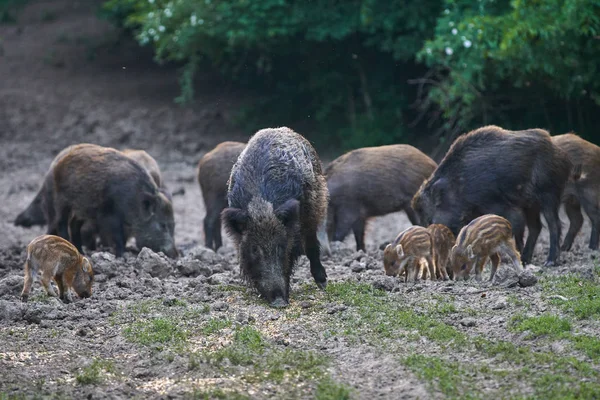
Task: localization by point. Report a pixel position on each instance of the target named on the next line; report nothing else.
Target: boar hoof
(24, 299)
(279, 303)
(549, 264)
(321, 285)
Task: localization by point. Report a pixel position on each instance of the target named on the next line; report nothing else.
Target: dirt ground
(158, 328)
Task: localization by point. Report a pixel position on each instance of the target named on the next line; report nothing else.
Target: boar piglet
(277, 198)
(213, 172)
(404, 254)
(373, 181)
(485, 237)
(442, 240)
(50, 258)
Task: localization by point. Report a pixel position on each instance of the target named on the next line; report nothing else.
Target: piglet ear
(288, 212)
(470, 252)
(400, 251)
(235, 220)
(388, 248)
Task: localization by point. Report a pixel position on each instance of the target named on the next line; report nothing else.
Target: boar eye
(464, 266)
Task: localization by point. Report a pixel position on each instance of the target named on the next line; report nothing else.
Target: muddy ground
(158, 328)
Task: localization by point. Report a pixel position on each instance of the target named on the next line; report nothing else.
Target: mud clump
(157, 265)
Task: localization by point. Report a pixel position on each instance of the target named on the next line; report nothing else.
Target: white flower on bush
(193, 19)
(161, 28)
(449, 51)
(151, 32)
(168, 13)
(467, 43)
(200, 21)
(150, 14)
(450, 24)
(428, 50)
(151, 1)
(446, 11)
(454, 31)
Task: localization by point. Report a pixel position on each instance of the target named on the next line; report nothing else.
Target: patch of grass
(444, 376)
(95, 372)
(380, 317)
(547, 325)
(217, 394)
(589, 345)
(583, 294)
(328, 389)
(214, 325)
(156, 331)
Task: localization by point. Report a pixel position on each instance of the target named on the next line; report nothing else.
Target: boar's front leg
(534, 225)
(313, 252)
(553, 221)
(573, 211)
(112, 226)
(75, 225)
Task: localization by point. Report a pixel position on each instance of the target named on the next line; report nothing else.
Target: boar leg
(495, 257)
(62, 221)
(112, 226)
(46, 279)
(431, 267)
(479, 265)
(75, 225)
(573, 210)
(517, 220)
(509, 249)
(594, 237)
(62, 288)
(359, 234)
(441, 266)
(534, 226)
(28, 281)
(553, 221)
(344, 219)
(313, 252)
(209, 223)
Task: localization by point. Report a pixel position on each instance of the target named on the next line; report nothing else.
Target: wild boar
(583, 189)
(53, 258)
(147, 162)
(213, 172)
(102, 185)
(484, 237)
(514, 174)
(442, 240)
(404, 254)
(373, 181)
(277, 197)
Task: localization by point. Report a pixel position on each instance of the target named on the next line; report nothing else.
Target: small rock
(305, 304)
(334, 308)
(340, 249)
(193, 268)
(81, 332)
(468, 322)
(220, 306)
(219, 279)
(500, 305)
(527, 279)
(218, 268)
(558, 296)
(358, 266)
(557, 348)
(204, 254)
(242, 318)
(104, 263)
(506, 276)
(156, 264)
(386, 283)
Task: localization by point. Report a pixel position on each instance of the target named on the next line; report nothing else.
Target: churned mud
(190, 328)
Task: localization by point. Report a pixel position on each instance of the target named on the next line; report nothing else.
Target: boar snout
(171, 252)
(275, 293)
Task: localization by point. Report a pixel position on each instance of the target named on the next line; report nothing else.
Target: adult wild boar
(102, 185)
(584, 189)
(373, 181)
(277, 197)
(213, 172)
(514, 174)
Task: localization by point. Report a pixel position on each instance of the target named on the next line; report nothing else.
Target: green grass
(155, 332)
(215, 325)
(589, 345)
(583, 294)
(378, 317)
(546, 325)
(328, 389)
(95, 372)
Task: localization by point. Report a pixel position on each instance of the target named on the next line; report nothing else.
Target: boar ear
(400, 250)
(148, 204)
(470, 252)
(453, 250)
(288, 212)
(235, 220)
(387, 248)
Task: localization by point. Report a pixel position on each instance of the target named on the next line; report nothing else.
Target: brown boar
(485, 237)
(102, 185)
(277, 198)
(442, 240)
(404, 254)
(53, 258)
(213, 172)
(373, 181)
(584, 189)
(473, 179)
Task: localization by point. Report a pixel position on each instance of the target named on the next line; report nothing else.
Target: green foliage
(516, 63)
(328, 389)
(9, 9)
(546, 325)
(95, 372)
(583, 294)
(157, 331)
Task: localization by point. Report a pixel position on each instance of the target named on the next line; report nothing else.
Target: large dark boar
(584, 189)
(277, 198)
(514, 174)
(102, 185)
(373, 181)
(213, 172)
